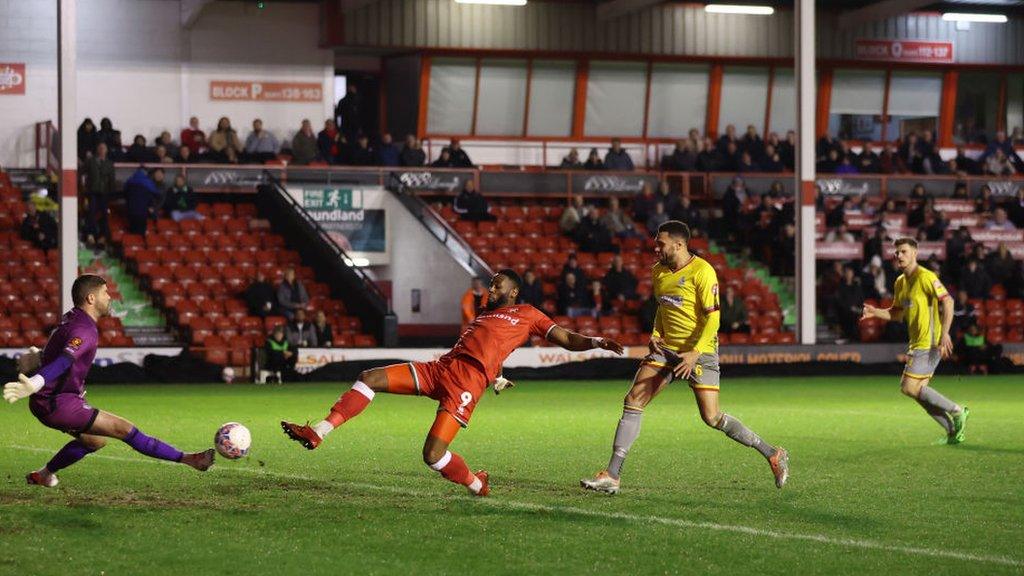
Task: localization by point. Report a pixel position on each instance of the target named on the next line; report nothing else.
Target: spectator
(99, 186)
(868, 161)
(1001, 267)
(571, 161)
(181, 202)
(167, 142)
(845, 166)
(141, 194)
(1015, 209)
(732, 202)
(935, 226)
(728, 138)
(889, 162)
(617, 158)
(109, 136)
(39, 228)
(594, 161)
(138, 152)
(829, 164)
(752, 144)
(975, 280)
(387, 153)
(619, 283)
(787, 151)
(161, 156)
(647, 312)
(412, 154)
(964, 313)
(348, 113)
(960, 191)
(657, 218)
(592, 236)
(965, 162)
(682, 158)
(730, 159)
(459, 158)
(1001, 144)
(532, 292)
(278, 352)
(643, 203)
(839, 234)
(362, 154)
(837, 216)
(984, 203)
(875, 282)
(261, 145)
(734, 313)
(956, 250)
(573, 300)
(324, 333)
(304, 145)
(849, 303)
(328, 143)
(772, 160)
(260, 296)
(300, 333)
(999, 164)
(224, 143)
(617, 221)
(193, 138)
(709, 159)
(596, 296)
(185, 155)
(976, 352)
(666, 196)
(444, 160)
(572, 266)
(572, 215)
(291, 294)
(471, 205)
(784, 249)
(87, 139)
(999, 221)
(747, 164)
(687, 213)
(474, 300)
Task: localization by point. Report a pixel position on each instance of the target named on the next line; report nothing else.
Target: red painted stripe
(69, 183)
(807, 194)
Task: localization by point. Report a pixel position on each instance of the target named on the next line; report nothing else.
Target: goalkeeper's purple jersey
(77, 337)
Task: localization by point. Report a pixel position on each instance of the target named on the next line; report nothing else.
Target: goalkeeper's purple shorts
(69, 413)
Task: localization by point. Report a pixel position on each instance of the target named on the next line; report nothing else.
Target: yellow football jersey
(685, 299)
(918, 297)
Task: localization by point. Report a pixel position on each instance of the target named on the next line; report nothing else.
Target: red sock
(454, 469)
(350, 404)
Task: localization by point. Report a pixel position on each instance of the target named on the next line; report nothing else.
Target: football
(232, 440)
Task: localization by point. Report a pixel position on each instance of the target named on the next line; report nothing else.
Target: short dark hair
(84, 285)
(905, 240)
(675, 229)
(512, 275)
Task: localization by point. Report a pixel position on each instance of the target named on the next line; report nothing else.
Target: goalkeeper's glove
(501, 384)
(23, 387)
(29, 361)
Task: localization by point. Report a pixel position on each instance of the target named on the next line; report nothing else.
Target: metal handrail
(368, 282)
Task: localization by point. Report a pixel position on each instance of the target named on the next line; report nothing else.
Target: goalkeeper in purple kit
(56, 391)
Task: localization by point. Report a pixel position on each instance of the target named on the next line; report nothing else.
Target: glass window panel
(783, 113)
(977, 107)
(744, 96)
(914, 100)
(615, 99)
(450, 98)
(552, 92)
(679, 100)
(502, 98)
(855, 110)
(1015, 107)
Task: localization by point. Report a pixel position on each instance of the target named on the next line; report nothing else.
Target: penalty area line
(583, 512)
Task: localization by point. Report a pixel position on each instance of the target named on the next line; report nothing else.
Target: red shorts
(456, 384)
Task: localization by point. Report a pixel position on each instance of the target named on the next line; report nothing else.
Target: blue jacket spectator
(141, 194)
(387, 152)
(617, 158)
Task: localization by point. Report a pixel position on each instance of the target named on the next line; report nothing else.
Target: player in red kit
(457, 380)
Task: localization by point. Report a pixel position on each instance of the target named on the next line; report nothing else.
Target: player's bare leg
(349, 405)
(449, 464)
(950, 415)
(648, 382)
(113, 426)
(778, 458)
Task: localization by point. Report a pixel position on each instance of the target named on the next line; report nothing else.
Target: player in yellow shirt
(920, 299)
(684, 345)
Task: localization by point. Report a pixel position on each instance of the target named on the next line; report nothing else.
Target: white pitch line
(668, 521)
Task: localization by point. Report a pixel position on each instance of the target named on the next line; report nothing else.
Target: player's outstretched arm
(887, 314)
(26, 386)
(578, 342)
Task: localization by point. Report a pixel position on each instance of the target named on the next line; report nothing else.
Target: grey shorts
(705, 376)
(922, 363)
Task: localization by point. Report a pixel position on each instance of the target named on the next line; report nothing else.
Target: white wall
(140, 68)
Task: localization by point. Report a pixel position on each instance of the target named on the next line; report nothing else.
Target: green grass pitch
(870, 493)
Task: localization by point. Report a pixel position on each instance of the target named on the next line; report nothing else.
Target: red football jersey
(494, 334)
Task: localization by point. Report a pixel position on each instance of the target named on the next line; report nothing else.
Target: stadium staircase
(531, 239)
